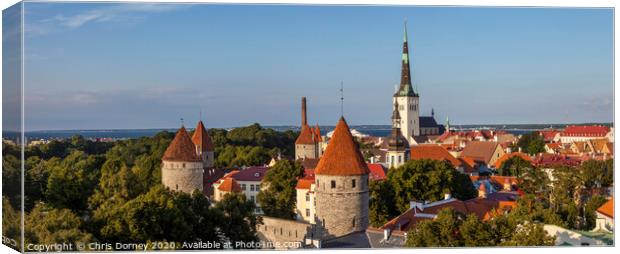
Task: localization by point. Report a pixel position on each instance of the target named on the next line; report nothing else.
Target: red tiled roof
(607, 209)
(586, 131)
(507, 156)
(309, 163)
(305, 183)
(547, 159)
(377, 171)
(480, 150)
(306, 136)
(433, 152)
(255, 174)
(548, 135)
(342, 156)
(317, 133)
(181, 148)
(201, 138)
(229, 185)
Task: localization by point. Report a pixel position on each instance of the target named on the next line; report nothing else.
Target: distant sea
(372, 130)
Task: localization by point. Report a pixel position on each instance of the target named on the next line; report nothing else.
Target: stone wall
(305, 151)
(343, 209)
(182, 176)
(284, 234)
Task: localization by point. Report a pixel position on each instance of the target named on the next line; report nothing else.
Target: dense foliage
(531, 143)
(79, 190)
(278, 196)
(424, 180)
(452, 229)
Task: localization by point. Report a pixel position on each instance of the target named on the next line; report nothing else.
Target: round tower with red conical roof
(342, 186)
(204, 147)
(182, 168)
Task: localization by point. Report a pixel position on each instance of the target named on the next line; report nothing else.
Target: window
(183, 165)
(243, 187)
(333, 184)
(353, 222)
(252, 199)
(307, 212)
(252, 187)
(399, 159)
(307, 197)
(353, 183)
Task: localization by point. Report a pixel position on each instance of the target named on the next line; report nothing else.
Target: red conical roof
(342, 156)
(306, 136)
(201, 138)
(317, 132)
(181, 148)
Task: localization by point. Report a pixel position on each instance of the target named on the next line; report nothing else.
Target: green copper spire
(405, 89)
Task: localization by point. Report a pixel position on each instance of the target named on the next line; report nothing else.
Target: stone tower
(181, 168)
(398, 147)
(407, 99)
(341, 186)
(307, 145)
(204, 146)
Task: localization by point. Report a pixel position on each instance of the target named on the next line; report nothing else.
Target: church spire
(405, 88)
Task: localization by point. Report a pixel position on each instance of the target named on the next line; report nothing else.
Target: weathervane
(182, 123)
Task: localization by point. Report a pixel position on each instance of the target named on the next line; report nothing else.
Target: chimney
(482, 190)
(447, 196)
(304, 120)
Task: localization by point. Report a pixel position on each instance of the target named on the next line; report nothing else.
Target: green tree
(427, 180)
(514, 166)
(381, 207)
(279, 197)
(531, 143)
(443, 231)
(46, 225)
(597, 173)
(475, 232)
(529, 234)
(238, 221)
(71, 182)
(11, 224)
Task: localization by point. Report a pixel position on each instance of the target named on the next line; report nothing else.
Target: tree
(590, 211)
(71, 182)
(11, 225)
(514, 166)
(238, 221)
(427, 180)
(443, 231)
(279, 197)
(381, 207)
(597, 173)
(531, 143)
(46, 225)
(475, 232)
(530, 234)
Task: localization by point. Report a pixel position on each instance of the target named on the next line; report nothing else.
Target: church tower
(181, 167)
(398, 147)
(407, 99)
(341, 179)
(204, 146)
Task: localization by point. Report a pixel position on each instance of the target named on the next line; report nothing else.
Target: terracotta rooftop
(306, 136)
(607, 209)
(201, 138)
(377, 171)
(480, 150)
(342, 156)
(181, 148)
(433, 152)
(317, 133)
(305, 183)
(229, 185)
(586, 131)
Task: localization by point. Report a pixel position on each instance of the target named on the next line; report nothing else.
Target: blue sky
(94, 66)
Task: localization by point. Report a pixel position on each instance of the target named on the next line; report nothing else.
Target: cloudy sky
(102, 66)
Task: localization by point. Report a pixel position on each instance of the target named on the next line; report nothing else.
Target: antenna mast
(341, 98)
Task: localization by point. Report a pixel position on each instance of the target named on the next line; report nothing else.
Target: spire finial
(405, 39)
(341, 98)
(182, 122)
